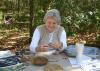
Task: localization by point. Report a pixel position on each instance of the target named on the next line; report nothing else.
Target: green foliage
(21, 17)
(78, 16)
(38, 19)
(98, 37)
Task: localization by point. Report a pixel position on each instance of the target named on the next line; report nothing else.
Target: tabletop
(60, 59)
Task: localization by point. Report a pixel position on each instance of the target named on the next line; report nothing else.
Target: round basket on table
(39, 60)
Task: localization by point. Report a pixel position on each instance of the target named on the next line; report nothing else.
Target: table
(60, 59)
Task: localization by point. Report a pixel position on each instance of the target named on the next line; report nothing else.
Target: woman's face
(51, 24)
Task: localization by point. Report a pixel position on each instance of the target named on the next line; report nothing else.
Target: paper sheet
(87, 64)
(73, 62)
(93, 65)
(4, 54)
(45, 53)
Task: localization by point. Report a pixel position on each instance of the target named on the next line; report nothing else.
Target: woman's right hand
(42, 48)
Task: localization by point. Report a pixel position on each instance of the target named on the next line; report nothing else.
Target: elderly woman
(49, 36)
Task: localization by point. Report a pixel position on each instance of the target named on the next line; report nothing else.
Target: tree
(31, 4)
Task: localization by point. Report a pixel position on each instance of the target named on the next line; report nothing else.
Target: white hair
(53, 13)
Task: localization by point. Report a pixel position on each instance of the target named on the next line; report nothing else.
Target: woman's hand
(42, 48)
(56, 45)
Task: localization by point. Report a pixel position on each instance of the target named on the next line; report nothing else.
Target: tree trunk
(31, 4)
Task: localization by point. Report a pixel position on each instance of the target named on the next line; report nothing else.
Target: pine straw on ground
(15, 39)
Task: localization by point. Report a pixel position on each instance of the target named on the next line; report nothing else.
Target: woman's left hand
(55, 45)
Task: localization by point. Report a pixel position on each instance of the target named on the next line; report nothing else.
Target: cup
(79, 51)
